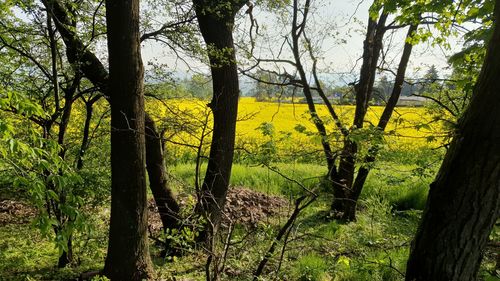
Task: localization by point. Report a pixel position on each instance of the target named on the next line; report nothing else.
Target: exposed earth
(243, 205)
(15, 212)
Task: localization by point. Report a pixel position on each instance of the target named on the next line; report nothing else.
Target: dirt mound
(243, 206)
(15, 212)
(249, 207)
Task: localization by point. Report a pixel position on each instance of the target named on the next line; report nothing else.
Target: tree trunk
(155, 165)
(67, 256)
(216, 25)
(464, 200)
(363, 171)
(89, 109)
(84, 60)
(128, 250)
(306, 90)
(343, 183)
(77, 52)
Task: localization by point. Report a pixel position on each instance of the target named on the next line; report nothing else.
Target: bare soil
(243, 206)
(15, 212)
(249, 207)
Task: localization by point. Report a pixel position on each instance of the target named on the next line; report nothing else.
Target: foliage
(274, 136)
(369, 249)
(38, 170)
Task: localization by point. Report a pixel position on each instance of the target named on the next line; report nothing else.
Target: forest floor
(15, 212)
(374, 248)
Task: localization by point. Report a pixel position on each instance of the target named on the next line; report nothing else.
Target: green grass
(258, 178)
(374, 248)
(399, 184)
(25, 255)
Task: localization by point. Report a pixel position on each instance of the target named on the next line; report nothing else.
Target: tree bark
(89, 65)
(89, 109)
(128, 250)
(77, 52)
(363, 171)
(318, 122)
(216, 25)
(464, 200)
(66, 256)
(158, 182)
(342, 184)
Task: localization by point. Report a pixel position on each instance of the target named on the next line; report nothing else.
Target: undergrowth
(317, 248)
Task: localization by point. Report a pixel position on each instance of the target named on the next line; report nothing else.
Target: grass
(319, 249)
(258, 178)
(399, 184)
(25, 255)
(374, 248)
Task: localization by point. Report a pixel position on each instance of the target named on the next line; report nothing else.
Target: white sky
(347, 21)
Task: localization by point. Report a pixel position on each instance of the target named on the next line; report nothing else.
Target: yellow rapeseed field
(405, 128)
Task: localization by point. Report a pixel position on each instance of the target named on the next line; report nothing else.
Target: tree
(216, 21)
(128, 250)
(268, 86)
(93, 69)
(346, 180)
(382, 90)
(198, 86)
(464, 200)
(48, 81)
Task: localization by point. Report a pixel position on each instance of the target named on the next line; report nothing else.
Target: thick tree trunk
(128, 250)
(87, 62)
(216, 25)
(464, 200)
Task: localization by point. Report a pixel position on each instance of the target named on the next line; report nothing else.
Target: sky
(343, 22)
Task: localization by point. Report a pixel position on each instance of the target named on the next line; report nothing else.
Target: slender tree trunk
(464, 200)
(128, 250)
(155, 165)
(363, 171)
(318, 122)
(89, 109)
(216, 25)
(342, 184)
(66, 256)
(53, 56)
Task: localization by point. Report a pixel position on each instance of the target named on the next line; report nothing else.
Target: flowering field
(288, 125)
